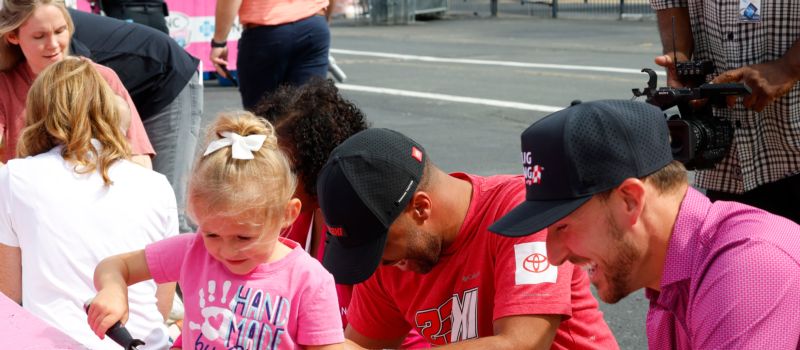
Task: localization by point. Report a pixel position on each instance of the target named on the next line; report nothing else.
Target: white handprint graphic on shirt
(213, 313)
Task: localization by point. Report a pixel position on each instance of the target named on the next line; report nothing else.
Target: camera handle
(652, 83)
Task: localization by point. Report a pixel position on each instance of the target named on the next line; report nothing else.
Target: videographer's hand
(768, 82)
(668, 63)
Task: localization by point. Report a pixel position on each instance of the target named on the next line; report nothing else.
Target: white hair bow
(242, 147)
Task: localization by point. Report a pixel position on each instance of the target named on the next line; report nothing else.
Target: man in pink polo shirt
(719, 275)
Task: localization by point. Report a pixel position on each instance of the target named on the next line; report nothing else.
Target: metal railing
(388, 12)
(620, 9)
(366, 12)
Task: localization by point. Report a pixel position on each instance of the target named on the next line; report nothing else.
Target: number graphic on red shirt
(436, 325)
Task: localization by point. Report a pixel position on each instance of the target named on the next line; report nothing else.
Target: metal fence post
(411, 11)
(555, 8)
(378, 11)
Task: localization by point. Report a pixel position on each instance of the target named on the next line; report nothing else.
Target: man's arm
(374, 319)
(681, 48)
(224, 15)
(329, 10)
(768, 81)
(516, 332)
(513, 332)
(355, 340)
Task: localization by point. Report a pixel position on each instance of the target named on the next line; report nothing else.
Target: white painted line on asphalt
(451, 98)
(490, 62)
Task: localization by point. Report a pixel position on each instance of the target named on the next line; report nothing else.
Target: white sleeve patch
(532, 265)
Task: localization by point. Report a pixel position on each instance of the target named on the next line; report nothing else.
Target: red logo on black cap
(416, 154)
(533, 173)
(336, 231)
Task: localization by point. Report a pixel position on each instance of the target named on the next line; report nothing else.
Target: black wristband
(215, 44)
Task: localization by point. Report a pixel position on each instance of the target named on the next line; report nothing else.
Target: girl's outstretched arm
(112, 277)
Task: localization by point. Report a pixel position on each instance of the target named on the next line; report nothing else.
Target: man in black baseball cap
(581, 151)
(600, 177)
(415, 240)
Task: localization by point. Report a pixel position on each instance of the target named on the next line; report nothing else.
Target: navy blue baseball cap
(582, 150)
(365, 185)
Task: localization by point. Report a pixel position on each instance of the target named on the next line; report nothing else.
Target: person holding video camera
(757, 43)
(717, 275)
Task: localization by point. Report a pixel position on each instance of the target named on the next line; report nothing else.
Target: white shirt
(64, 223)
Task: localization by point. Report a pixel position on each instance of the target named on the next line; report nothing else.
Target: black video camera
(698, 139)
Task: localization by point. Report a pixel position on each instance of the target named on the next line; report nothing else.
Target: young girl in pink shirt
(243, 285)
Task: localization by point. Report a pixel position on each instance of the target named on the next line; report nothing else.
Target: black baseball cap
(577, 152)
(365, 185)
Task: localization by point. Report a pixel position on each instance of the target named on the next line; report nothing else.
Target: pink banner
(19, 329)
(191, 24)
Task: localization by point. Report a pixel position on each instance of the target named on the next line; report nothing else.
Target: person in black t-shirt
(151, 13)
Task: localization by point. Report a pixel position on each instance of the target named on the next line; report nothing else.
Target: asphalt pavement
(466, 86)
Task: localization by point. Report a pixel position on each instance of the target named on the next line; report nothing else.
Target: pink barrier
(19, 329)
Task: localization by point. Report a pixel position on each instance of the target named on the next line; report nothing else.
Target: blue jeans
(291, 53)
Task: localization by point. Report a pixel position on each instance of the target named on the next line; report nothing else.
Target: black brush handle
(118, 333)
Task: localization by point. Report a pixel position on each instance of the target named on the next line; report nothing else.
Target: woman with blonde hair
(74, 198)
(33, 35)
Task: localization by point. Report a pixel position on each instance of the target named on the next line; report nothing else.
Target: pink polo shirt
(731, 280)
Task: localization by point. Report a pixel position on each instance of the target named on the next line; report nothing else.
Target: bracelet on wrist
(215, 44)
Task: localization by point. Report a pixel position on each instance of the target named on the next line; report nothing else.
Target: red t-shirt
(14, 86)
(482, 277)
(299, 232)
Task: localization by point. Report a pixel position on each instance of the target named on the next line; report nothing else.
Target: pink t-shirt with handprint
(280, 305)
